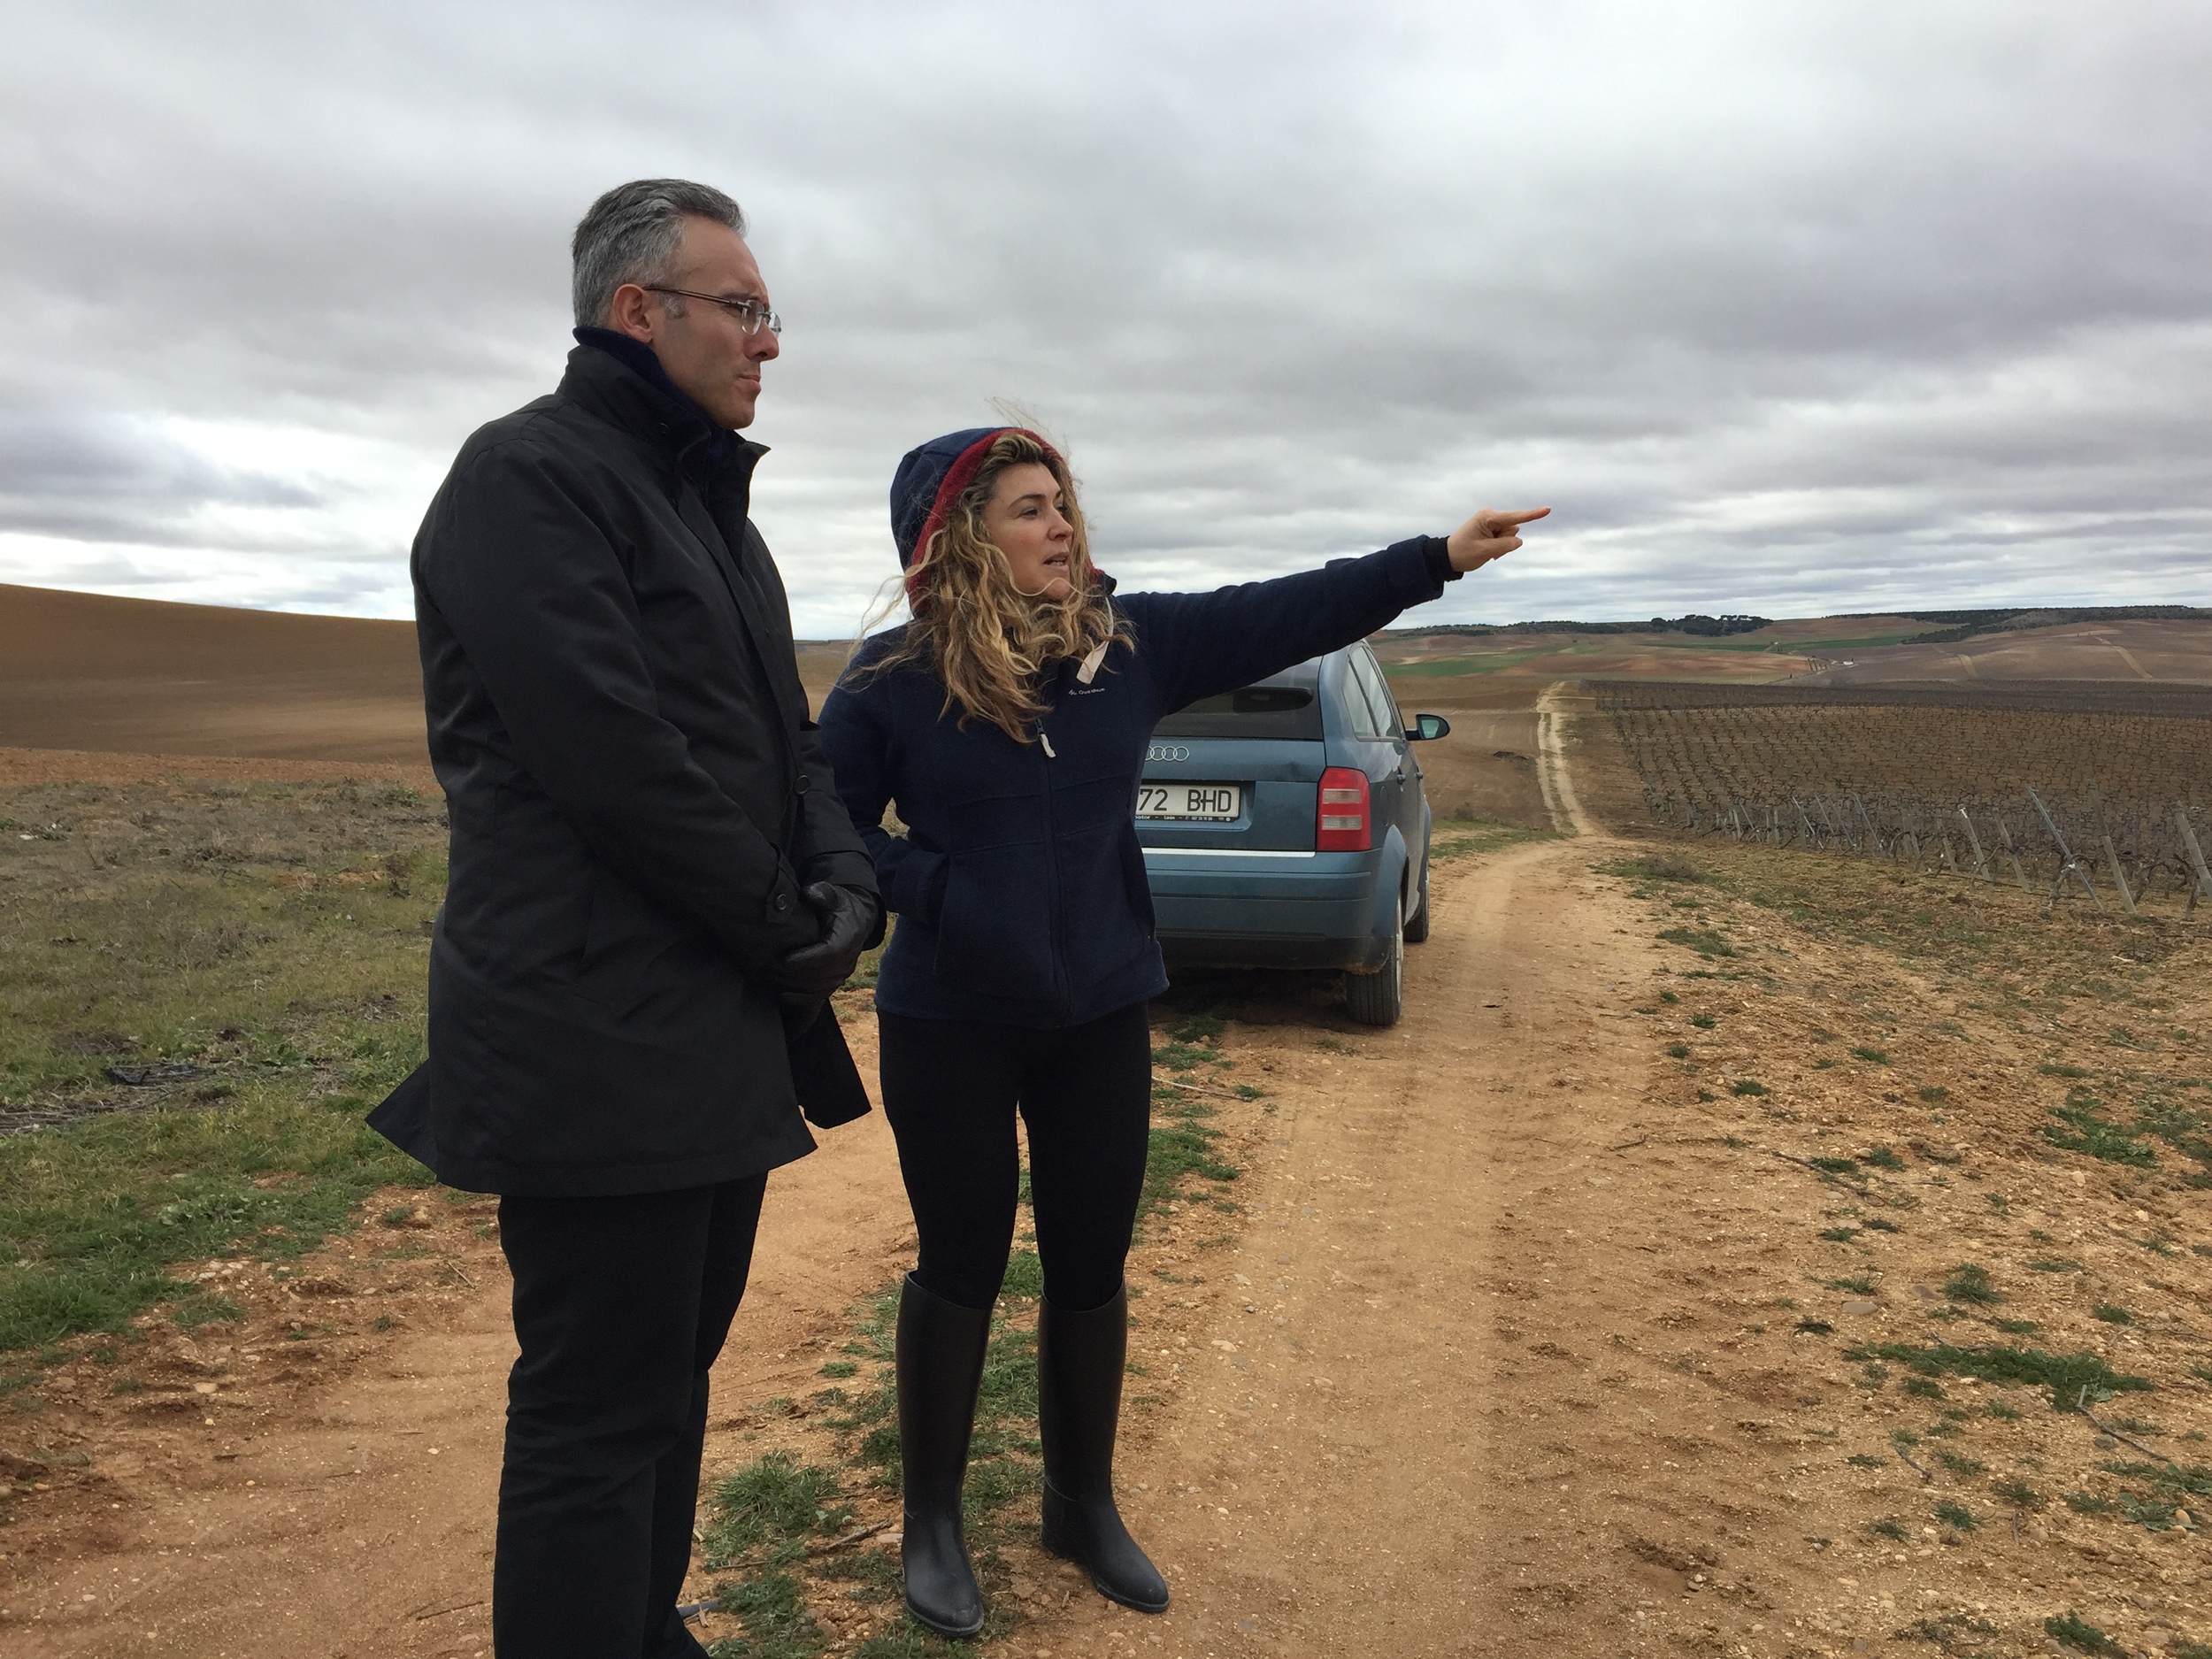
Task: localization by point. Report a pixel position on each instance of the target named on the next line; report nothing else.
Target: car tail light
(1345, 823)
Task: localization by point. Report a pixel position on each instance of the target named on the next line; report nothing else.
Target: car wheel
(1417, 924)
(1379, 998)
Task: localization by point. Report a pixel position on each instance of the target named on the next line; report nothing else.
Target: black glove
(849, 919)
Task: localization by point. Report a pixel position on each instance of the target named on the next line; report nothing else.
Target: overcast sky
(1782, 309)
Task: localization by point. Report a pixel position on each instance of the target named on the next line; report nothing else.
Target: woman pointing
(1007, 722)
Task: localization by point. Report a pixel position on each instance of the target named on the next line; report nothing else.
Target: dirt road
(1366, 1457)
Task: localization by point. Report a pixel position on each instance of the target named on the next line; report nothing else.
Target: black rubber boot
(941, 1348)
(1079, 1361)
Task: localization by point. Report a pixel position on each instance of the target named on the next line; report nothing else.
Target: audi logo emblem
(1167, 751)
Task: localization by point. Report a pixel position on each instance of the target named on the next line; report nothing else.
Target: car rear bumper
(1283, 911)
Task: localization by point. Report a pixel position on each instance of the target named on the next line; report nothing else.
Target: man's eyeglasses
(751, 314)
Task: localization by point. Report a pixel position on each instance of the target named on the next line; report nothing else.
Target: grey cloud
(93, 478)
(1805, 308)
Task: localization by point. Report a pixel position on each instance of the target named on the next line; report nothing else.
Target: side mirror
(1427, 727)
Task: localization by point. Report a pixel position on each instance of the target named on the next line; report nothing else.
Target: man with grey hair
(653, 890)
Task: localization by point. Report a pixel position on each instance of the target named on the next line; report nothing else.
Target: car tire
(1417, 924)
(1379, 998)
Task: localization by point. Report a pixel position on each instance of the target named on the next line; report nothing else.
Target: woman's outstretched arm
(1202, 644)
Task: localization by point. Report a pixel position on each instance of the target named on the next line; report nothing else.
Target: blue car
(1284, 826)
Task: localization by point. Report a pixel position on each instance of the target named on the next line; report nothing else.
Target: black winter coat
(637, 797)
(1019, 883)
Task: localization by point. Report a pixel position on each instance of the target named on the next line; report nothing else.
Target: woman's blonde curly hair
(989, 641)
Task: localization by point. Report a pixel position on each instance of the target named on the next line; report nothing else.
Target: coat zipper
(1061, 988)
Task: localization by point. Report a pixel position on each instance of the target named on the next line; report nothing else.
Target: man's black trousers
(950, 1089)
(621, 1305)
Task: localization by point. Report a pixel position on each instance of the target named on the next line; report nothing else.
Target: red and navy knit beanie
(929, 479)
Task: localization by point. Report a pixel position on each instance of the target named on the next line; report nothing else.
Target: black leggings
(951, 1088)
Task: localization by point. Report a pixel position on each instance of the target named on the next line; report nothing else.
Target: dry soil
(1521, 1341)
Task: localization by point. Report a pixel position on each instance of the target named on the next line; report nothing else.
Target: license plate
(1216, 801)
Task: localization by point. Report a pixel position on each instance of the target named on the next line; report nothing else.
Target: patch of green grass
(2019, 1494)
(1815, 1328)
(2087, 1129)
(1181, 1148)
(1199, 1029)
(1470, 837)
(1747, 1085)
(91, 1215)
(1025, 1275)
(1893, 1530)
(1875, 1224)
(1679, 1051)
(1956, 1517)
(1882, 1158)
(1840, 1235)
(776, 1626)
(769, 1509)
(1704, 942)
(1925, 1388)
(1999, 1409)
(2052, 1069)
(1862, 1460)
(838, 1368)
(1836, 1166)
(1877, 1056)
(2191, 1482)
(2112, 1313)
(1934, 1093)
(1858, 1285)
(1656, 867)
(1958, 1463)
(2017, 1327)
(1969, 1283)
(300, 1003)
(2064, 1375)
(2054, 1264)
(1177, 1056)
(2077, 1632)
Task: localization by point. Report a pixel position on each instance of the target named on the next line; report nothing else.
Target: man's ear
(631, 312)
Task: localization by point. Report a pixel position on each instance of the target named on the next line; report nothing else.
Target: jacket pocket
(624, 939)
(1108, 920)
(995, 929)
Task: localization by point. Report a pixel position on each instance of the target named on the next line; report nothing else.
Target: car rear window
(1284, 706)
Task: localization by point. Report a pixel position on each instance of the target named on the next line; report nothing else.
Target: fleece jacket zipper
(1060, 984)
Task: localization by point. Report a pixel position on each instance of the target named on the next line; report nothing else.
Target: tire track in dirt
(1552, 772)
(1396, 1435)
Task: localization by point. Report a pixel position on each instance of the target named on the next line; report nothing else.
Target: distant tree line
(1957, 624)
(1711, 627)
(1964, 625)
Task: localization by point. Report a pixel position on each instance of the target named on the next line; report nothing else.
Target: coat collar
(620, 381)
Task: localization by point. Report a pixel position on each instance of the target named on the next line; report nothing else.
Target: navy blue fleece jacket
(1019, 885)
